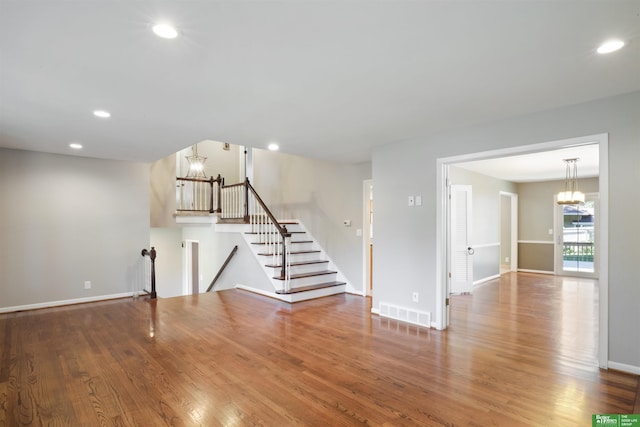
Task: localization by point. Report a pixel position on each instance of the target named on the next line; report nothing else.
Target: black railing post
(246, 200)
(211, 181)
(220, 182)
(152, 256)
(283, 270)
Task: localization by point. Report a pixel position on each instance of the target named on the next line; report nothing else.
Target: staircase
(309, 273)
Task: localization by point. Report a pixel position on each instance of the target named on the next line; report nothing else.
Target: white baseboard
(375, 311)
(486, 279)
(50, 304)
(624, 367)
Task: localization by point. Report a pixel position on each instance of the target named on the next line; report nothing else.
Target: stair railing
(198, 194)
(152, 256)
(224, 265)
(241, 203)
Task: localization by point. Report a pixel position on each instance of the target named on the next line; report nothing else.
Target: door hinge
(447, 301)
(449, 275)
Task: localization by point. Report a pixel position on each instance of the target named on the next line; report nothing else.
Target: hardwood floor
(520, 351)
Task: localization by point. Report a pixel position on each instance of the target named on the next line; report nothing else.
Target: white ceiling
(543, 166)
(327, 79)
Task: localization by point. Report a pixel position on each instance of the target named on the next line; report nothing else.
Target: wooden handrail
(152, 255)
(224, 265)
(281, 228)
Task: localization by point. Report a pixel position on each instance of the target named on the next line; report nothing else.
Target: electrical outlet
(415, 297)
(418, 200)
(506, 259)
(87, 284)
(550, 231)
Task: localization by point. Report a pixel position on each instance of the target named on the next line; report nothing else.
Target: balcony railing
(198, 194)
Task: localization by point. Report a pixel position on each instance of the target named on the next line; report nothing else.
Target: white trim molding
(537, 242)
(526, 270)
(74, 301)
(403, 314)
(622, 367)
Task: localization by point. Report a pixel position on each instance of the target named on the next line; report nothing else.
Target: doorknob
(470, 250)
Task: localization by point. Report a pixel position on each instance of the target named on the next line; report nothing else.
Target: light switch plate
(412, 201)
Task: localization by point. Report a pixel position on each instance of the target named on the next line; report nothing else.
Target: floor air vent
(417, 317)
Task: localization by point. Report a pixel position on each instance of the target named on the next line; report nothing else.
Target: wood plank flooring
(521, 351)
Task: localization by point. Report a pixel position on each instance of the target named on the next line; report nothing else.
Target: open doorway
(443, 261)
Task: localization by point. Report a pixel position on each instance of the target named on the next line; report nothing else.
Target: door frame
(187, 266)
(451, 276)
(513, 255)
(367, 258)
(442, 252)
(558, 240)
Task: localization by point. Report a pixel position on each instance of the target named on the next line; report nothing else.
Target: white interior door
(461, 256)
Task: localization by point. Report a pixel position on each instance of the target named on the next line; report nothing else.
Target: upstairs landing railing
(198, 194)
(239, 203)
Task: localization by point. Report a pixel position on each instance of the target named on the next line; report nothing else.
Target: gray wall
(67, 219)
(406, 237)
(505, 230)
(322, 195)
(485, 221)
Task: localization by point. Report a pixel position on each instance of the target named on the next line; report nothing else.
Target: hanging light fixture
(571, 195)
(196, 164)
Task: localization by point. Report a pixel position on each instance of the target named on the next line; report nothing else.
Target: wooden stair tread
(310, 274)
(292, 253)
(274, 232)
(292, 242)
(317, 261)
(311, 287)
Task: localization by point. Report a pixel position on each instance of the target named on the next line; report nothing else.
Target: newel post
(246, 200)
(152, 256)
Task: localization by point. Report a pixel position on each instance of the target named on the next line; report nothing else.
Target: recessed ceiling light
(75, 146)
(165, 31)
(102, 114)
(610, 46)
(273, 147)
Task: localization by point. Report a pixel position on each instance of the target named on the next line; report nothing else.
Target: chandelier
(571, 195)
(196, 164)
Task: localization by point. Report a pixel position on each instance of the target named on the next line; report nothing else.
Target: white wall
(67, 219)
(322, 195)
(406, 237)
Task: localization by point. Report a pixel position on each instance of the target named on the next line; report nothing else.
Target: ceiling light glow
(273, 147)
(102, 114)
(610, 46)
(165, 31)
(75, 146)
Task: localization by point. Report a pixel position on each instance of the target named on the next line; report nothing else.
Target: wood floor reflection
(520, 351)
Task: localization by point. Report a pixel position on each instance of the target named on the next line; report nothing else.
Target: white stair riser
(308, 246)
(293, 258)
(303, 296)
(313, 280)
(300, 269)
